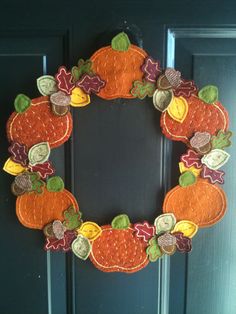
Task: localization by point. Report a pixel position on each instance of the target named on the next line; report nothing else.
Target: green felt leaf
(221, 140)
(120, 42)
(120, 222)
(55, 184)
(141, 89)
(209, 94)
(72, 218)
(187, 178)
(47, 85)
(153, 250)
(22, 103)
(37, 186)
(84, 67)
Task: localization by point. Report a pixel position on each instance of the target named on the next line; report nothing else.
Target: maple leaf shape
(141, 89)
(91, 84)
(183, 244)
(144, 230)
(151, 69)
(44, 170)
(215, 176)
(64, 79)
(19, 153)
(64, 244)
(191, 159)
(185, 89)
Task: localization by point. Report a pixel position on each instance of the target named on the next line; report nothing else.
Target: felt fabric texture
(119, 69)
(47, 85)
(64, 244)
(58, 229)
(188, 228)
(221, 140)
(215, 159)
(201, 117)
(21, 103)
(119, 251)
(84, 67)
(44, 170)
(37, 210)
(144, 230)
(72, 218)
(79, 98)
(13, 168)
(142, 89)
(120, 42)
(90, 230)
(187, 178)
(153, 250)
(81, 247)
(39, 124)
(209, 94)
(164, 223)
(202, 203)
(39, 153)
(91, 84)
(193, 169)
(120, 222)
(214, 176)
(162, 99)
(178, 109)
(19, 153)
(55, 184)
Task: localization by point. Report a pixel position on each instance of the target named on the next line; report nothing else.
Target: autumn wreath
(195, 117)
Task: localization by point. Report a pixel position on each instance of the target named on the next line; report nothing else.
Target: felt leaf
(90, 230)
(151, 69)
(84, 67)
(47, 85)
(64, 80)
(187, 178)
(185, 89)
(215, 159)
(22, 103)
(191, 158)
(81, 247)
(178, 109)
(193, 169)
(164, 222)
(120, 42)
(153, 250)
(214, 176)
(55, 184)
(208, 94)
(188, 228)
(91, 84)
(54, 244)
(39, 153)
(144, 230)
(221, 140)
(37, 186)
(46, 169)
(162, 99)
(19, 153)
(141, 89)
(183, 244)
(120, 222)
(13, 167)
(58, 229)
(79, 98)
(72, 218)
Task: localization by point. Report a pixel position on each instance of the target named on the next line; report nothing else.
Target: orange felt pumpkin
(119, 65)
(36, 210)
(202, 203)
(119, 251)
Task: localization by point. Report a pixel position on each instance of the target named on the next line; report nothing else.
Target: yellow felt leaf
(13, 168)
(178, 108)
(90, 230)
(194, 170)
(188, 228)
(79, 98)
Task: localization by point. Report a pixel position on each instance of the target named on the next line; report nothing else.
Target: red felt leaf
(54, 244)
(151, 69)
(19, 153)
(183, 244)
(144, 230)
(191, 159)
(44, 170)
(185, 89)
(91, 84)
(65, 80)
(215, 176)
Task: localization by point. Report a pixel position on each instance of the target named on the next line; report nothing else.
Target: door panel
(209, 58)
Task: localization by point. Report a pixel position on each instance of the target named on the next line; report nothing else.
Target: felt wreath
(121, 70)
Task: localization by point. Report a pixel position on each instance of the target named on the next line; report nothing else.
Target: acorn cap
(200, 139)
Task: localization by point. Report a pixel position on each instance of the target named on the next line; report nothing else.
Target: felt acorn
(119, 65)
(118, 249)
(200, 108)
(36, 210)
(196, 200)
(34, 122)
(60, 103)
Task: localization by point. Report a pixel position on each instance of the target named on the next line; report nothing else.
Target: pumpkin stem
(120, 42)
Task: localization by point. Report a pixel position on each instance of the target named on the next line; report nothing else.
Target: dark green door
(117, 160)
